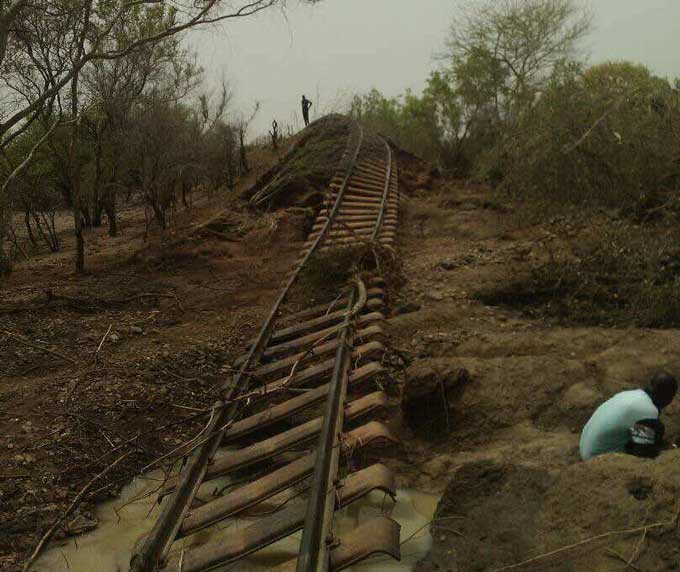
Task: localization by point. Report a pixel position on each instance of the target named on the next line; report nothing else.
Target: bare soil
(513, 483)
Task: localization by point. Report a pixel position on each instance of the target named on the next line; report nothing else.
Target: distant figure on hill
(306, 104)
(629, 422)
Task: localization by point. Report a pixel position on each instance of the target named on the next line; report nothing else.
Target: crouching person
(630, 421)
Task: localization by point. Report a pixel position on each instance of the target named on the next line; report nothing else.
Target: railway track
(300, 402)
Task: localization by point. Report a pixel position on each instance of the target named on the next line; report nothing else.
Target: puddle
(413, 510)
(123, 521)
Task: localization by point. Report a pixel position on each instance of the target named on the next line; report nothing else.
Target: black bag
(645, 438)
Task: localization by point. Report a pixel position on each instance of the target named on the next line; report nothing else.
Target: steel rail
(314, 548)
(386, 193)
(165, 530)
(317, 541)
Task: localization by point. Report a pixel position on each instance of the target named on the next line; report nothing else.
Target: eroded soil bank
(506, 456)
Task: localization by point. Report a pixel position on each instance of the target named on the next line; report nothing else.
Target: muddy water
(124, 521)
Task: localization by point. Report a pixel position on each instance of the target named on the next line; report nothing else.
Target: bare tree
(242, 127)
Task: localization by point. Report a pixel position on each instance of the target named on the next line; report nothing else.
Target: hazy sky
(341, 47)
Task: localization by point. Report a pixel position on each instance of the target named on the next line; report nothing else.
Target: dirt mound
(507, 391)
(304, 172)
(591, 517)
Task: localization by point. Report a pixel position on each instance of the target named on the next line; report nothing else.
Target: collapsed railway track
(301, 384)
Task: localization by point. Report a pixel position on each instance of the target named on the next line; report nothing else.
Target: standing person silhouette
(306, 104)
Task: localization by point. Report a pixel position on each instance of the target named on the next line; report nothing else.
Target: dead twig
(618, 556)
(99, 347)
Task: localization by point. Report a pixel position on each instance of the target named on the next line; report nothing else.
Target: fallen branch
(76, 501)
(104, 302)
(618, 556)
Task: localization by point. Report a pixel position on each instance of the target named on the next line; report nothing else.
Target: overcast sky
(341, 47)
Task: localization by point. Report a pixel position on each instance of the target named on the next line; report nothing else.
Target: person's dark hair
(662, 388)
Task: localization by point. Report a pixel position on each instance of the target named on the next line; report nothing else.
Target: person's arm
(646, 438)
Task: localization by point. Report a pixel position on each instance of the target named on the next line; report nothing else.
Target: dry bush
(606, 136)
(619, 274)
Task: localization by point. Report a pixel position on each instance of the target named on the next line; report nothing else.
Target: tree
(242, 127)
(606, 135)
(502, 51)
(429, 125)
(498, 57)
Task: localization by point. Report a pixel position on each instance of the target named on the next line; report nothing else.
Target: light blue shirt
(607, 431)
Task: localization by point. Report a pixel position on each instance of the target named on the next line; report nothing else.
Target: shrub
(603, 136)
(618, 275)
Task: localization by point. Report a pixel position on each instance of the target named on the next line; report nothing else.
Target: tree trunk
(85, 214)
(29, 230)
(78, 210)
(80, 241)
(97, 206)
(185, 187)
(97, 211)
(113, 225)
(74, 150)
(5, 262)
(242, 153)
(110, 209)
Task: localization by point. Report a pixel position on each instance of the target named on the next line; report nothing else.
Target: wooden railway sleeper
(234, 460)
(304, 341)
(365, 334)
(321, 309)
(281, 411)
(315, 323)
(252, 493)
(380, 535)
(369, 349)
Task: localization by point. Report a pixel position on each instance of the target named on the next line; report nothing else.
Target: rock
(136, 330)
(429, 396)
